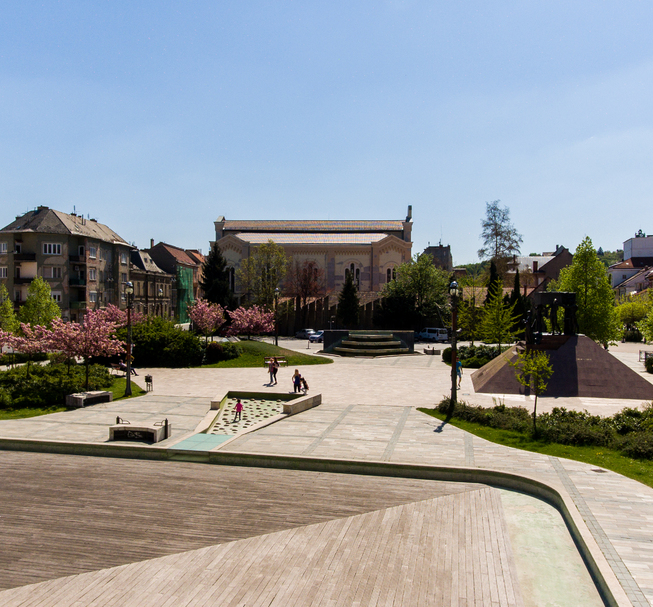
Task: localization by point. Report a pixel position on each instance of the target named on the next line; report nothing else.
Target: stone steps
(370, 344)
(375, 352)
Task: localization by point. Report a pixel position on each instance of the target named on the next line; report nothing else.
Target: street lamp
(276, 316)
(454, 293)
(129, 294)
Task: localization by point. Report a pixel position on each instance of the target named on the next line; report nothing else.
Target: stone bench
(141, 431)
(83, 399)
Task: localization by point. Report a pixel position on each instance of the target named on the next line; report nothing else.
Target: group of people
(299, 383)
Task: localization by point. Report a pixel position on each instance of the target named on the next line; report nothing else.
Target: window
(92, 274)
(51, 248)
(92, 252)
(18, 247)
(56, 295)
(92, 296)
(3, 247)
(3, 272)
(358, 277)
(123, 277)
(123, 259)
(16, 295)
(52, 272)
(81, 251)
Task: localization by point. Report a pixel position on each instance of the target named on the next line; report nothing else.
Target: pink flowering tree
(34, 340)
(95, 337)
(207, 317)
(119, 317)
(251, 321)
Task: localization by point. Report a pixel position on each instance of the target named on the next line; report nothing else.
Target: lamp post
(129, 293)
(276, 316)
(454, 293)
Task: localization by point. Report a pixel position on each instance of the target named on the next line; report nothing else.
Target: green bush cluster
(218, 351)
(47, 386)
(649, 364)
(472, 357)
(632, 335)
(630, 431)
(158, 343)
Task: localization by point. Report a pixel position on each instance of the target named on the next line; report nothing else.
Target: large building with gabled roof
(370, 250)
(85, 262)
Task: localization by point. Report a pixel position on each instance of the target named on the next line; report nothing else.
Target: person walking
(239, 411)
(297, 381)
(275, 369)
(272, 371)
(459, 371)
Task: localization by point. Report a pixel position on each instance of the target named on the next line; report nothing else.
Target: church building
(370, 250)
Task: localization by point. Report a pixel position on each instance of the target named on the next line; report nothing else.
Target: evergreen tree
(498, 319)
(348, 303)
(215, 279)
(520, 303)
(492, 282)
(587, 277)
(8, 320)
(39, 307)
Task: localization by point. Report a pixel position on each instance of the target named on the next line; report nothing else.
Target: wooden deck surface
(62, 514)
(447, 551)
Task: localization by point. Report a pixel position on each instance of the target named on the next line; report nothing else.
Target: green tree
(39, 307)
(500, 238)
(470, 317)
(645, 325)
(492, 282)
(533, 370)
(416, 297)
(499, 319)
(631, 312)
(262, 272)
(8, 320)
(587, 277)
(521, 304)
(215, 279)
(348, 303)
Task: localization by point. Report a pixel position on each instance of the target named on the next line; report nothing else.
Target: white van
(432, 334)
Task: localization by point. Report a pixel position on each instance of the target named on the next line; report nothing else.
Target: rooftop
(283, 238)
(313, 226)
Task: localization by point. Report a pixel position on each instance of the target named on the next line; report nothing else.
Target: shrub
(47, 386)
(218, 351)
(638, 445)
(649, 364)
(158, 343)
(632, 335)
(446, 356)
(19, 358)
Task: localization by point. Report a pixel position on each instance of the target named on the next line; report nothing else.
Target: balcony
(77, 258)
(24, 256)
(77, 282)
(23, 280)
(78, 305)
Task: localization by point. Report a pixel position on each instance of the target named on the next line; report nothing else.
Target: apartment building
(85, 262)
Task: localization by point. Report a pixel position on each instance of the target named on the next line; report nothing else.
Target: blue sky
(156, 117)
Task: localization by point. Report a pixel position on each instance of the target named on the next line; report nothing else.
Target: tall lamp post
(276, 316)
(454, 293)
(129, 293)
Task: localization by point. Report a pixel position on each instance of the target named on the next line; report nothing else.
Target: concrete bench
(83, 399)
(140, 431)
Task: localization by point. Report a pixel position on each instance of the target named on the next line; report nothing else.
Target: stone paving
(369, 413)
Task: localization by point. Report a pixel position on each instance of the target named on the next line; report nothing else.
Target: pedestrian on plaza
(271, 370)
(297, 381)
(275, 369)
(459, 371)
(239, 411)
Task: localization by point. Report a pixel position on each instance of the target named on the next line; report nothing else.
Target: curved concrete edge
(604, 577)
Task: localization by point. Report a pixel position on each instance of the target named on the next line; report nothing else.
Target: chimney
(151, 243)
(410, 212)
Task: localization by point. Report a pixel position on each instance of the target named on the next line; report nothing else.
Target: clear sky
(157, 117)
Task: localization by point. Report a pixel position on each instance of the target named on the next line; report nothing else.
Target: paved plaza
(430, 542)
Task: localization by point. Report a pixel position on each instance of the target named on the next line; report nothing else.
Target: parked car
(316, 338)
(304, 333)
(434, 334)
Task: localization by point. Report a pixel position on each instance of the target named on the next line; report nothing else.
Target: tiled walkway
(369, 413)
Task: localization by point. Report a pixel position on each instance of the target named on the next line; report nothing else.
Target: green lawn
(119, 385)
(254, 353)
(28, 412)
(639, 470)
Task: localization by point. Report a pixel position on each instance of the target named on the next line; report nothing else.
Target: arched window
(388, 275)
(358, 277)
(232, 279)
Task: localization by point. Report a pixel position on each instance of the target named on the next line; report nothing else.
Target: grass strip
(639, 470)
(254, 353)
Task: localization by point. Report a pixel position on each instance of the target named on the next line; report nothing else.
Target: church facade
(370, 250)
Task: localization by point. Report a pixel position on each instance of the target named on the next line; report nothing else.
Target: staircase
(371, 344)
